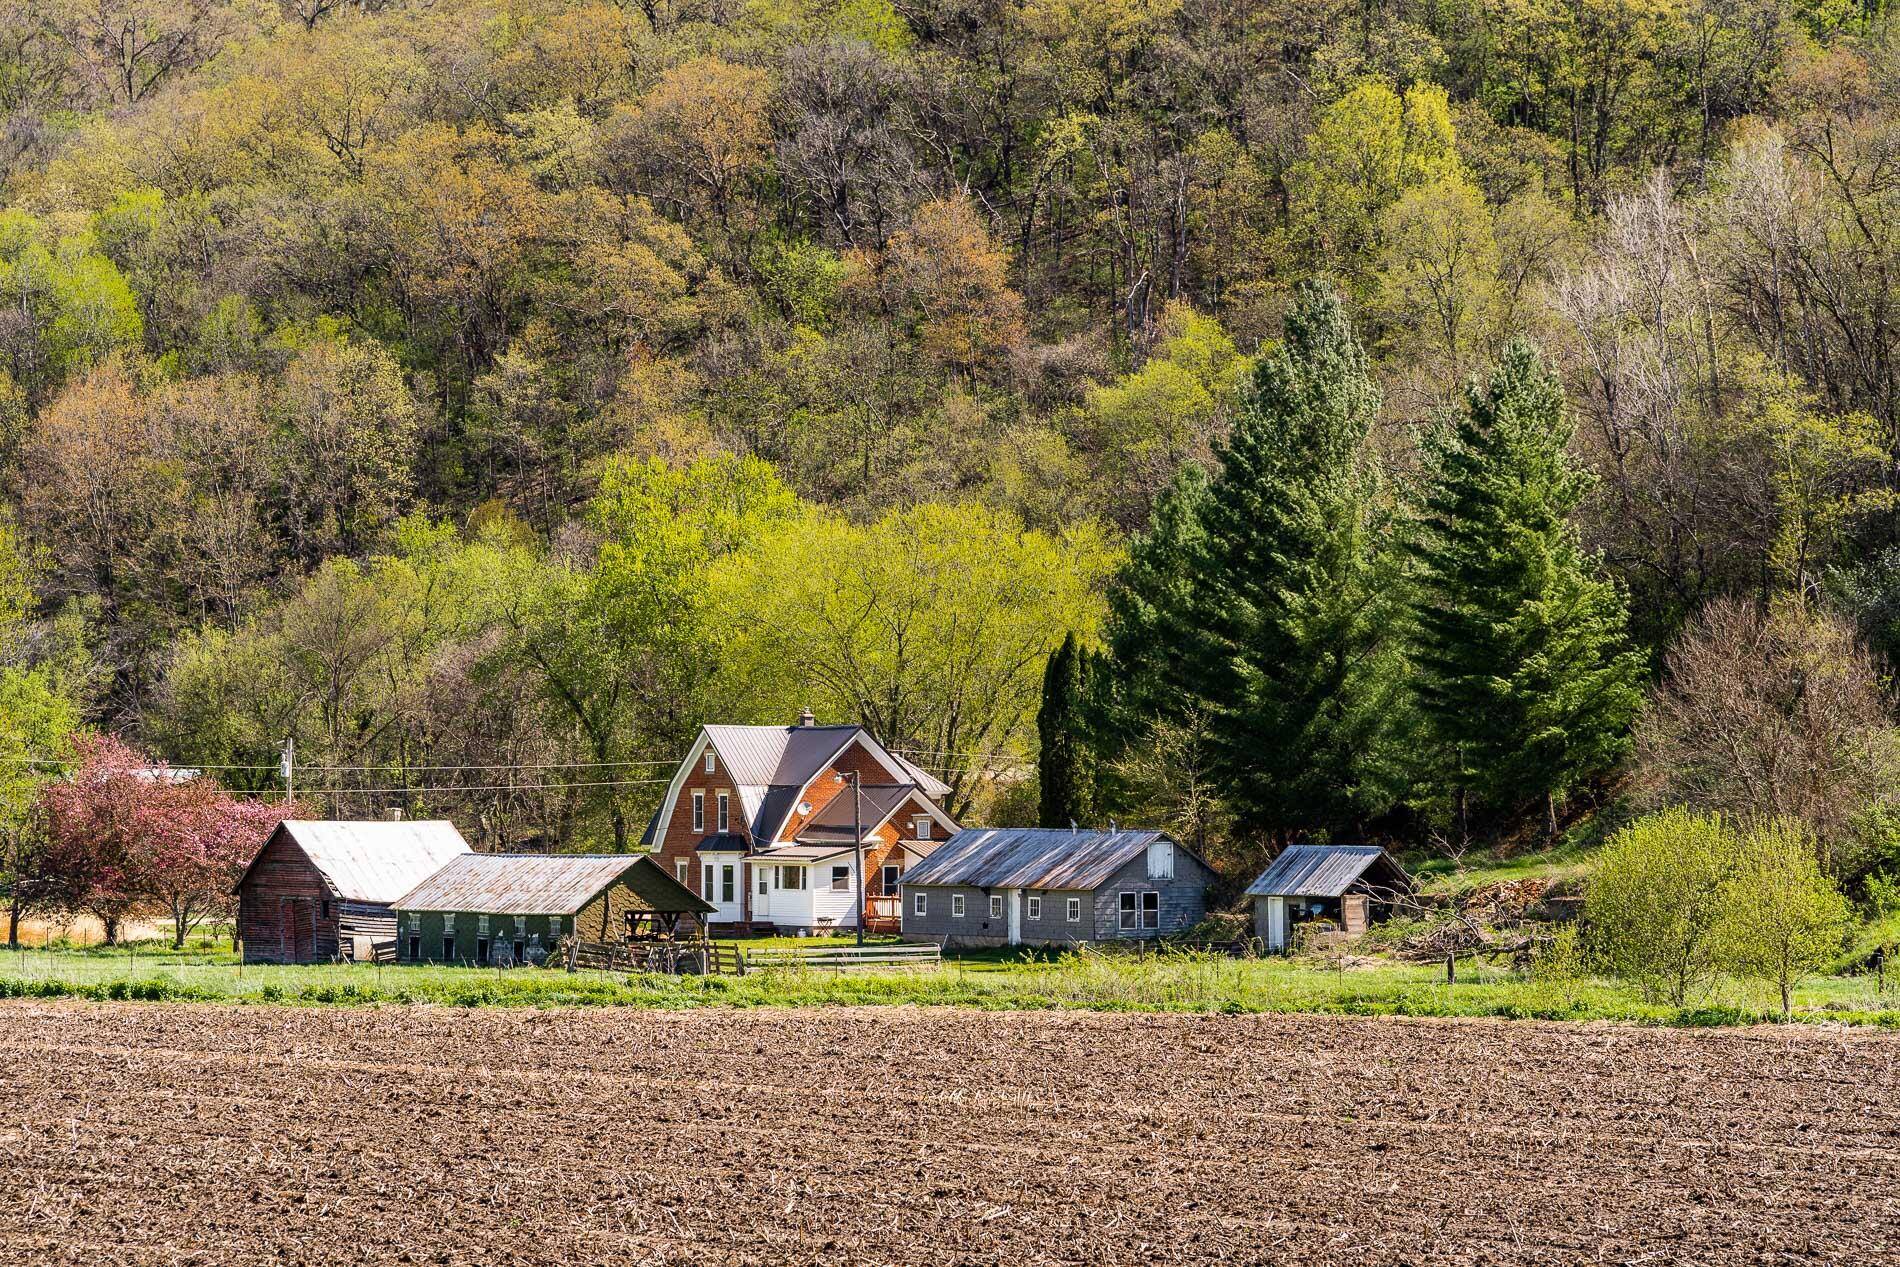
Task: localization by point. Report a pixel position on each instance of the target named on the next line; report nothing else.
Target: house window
(1075, 910)
(727, 883)
(448, 924)
(725, 817)
(841, 879)
(1131, 917)
(706, 881)
(956, 906)
(791, 878)
(920, 904)
(415, 946)
(415, 921)
(1151, 910)
(699, 811)
(1035, 908)
(709, 761)
(920, 827)
(888, 878)
(765, 874)
(481, 924)
(996, 906)
(679, 869)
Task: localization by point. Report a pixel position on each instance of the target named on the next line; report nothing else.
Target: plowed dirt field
(152, 1134)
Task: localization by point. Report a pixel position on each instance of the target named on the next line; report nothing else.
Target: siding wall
(1183, 899)
(427, 925)
(283, 874)
(1183, 905)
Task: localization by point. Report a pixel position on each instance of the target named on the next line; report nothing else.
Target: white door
(722, 882)
(1276, 923)
(1015, 904)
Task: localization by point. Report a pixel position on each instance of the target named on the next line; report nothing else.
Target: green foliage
(1298, 598)
(1524, 676)
(1655, 902)
(1782, 918)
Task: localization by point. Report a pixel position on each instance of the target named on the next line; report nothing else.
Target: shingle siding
(1183, 905)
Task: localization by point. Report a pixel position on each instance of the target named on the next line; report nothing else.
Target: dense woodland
(1431, 422)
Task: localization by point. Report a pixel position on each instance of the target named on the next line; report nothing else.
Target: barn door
(298, 936)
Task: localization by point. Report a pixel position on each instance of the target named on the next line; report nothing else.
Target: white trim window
(415, 921)
(1035, 908)
(956, 906)
(699, 810)
(1151, 909)
(1130, 914)
(890, 875)
(448, 923)
(996, 906)
(791, 879)
(680, 868)
(481, 925)
(841, 879)
(920, 904)
(1075, 910)
(725, 812)
(706, 880)
(764, 886)
(920, 827)
(710, 765)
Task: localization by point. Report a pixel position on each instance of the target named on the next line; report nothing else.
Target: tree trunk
(13, 924)
(111, 924)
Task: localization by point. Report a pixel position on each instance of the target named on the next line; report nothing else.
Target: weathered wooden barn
(1038, 886)
(1349, 886)
(319, 891)
(506, 909)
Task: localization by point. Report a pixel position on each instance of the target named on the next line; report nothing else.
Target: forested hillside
(484, 393)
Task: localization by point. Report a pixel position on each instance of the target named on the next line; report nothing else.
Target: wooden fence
(656, 956)
(735, 961)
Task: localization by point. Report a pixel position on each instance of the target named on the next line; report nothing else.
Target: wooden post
(1451, 967)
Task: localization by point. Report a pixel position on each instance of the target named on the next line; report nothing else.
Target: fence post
(1451, 967)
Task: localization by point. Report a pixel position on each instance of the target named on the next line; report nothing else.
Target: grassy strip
(1173, 983)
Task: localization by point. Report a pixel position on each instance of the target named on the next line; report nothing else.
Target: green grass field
(1171, 982)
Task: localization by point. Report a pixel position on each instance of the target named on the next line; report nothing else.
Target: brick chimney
(806, 719)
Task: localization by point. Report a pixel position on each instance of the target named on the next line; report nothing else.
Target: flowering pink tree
(125, 832)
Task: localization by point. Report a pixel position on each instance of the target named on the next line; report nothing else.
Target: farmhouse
(319, 891)
(767, 822)
(1010, 886)
(1348, 885)
(505, 909)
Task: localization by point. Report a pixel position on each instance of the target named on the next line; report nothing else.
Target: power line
(372, 769)
(480, 787)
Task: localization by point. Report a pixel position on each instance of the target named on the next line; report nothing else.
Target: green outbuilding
(503, 909)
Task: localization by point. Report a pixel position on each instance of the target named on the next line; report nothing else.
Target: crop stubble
(146, 1134)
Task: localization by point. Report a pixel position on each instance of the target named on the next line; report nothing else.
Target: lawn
(993, 980)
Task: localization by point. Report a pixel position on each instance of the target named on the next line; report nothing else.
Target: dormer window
(920, 827)
(709, 761)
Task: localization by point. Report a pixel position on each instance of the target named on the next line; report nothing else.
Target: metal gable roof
(375, 860)
(537, 884)
(1032, 857)
(1316, 870)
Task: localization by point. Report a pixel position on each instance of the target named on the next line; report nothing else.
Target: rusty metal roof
(375, 860)
(541, 884)
(1032, 857)
(1318, 870)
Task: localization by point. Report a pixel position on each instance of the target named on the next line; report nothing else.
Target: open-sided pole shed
(1349, 884)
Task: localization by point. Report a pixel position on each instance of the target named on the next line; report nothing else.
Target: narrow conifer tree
(1294, 657)
(1066, 765)
(1526, 682)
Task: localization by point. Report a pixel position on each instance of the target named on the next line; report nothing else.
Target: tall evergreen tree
(1151, 606)
(1295, 653)
(1526, 681)
(1066, 767)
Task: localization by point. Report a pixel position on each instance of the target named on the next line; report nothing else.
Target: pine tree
(1066, 767)
(1526, 682)
(1151, 606)
(1295, 655)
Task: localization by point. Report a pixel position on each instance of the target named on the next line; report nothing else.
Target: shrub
(1655, 899)
(1781, 917)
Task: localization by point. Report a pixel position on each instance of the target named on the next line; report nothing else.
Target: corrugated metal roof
(1031, 857)
(375, 860)
(528, 884)
(801, 853)
(1315, 870)
(876, 802)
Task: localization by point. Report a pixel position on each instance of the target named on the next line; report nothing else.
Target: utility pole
(287, 766)
(857, 851)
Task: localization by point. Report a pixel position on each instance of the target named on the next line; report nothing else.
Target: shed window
(481, 924)
(557, 924)
(709, 761)
(1161, 860)
(920, 904)
(1035, 908)
(841, 879)
(725, 815)
(415, 920)
(1151, 910)
(699, 811)
(996, 906)
(1131, 915)
(1075, 910)
(448, 923)
(956, 905)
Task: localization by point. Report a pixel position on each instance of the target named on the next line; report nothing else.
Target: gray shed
(1350, 885)
(1040, 886)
